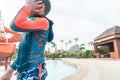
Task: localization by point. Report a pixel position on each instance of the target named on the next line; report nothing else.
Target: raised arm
(21, 22)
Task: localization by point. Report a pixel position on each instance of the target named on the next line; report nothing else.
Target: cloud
(85, 19)
(9, 9)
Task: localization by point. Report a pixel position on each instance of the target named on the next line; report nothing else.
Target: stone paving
(91, 69)
(95, 69)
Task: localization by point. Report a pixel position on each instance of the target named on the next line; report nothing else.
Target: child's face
(40, 10)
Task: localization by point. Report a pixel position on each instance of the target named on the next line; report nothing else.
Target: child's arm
(50, 34)
(21, 24)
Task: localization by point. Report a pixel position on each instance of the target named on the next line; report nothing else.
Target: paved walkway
(92, 69)
(95, 69)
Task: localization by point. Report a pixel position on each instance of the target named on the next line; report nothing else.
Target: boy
(37, 31)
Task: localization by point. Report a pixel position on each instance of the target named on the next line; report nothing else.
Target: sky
(82, 19)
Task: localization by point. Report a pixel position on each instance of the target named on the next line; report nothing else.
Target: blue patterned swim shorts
(33, 74)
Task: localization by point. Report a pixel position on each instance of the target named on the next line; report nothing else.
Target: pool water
(57, 70)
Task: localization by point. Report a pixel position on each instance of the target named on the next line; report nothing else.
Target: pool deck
(91, 69)
(94, 69)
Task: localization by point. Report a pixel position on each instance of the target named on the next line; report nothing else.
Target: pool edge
(80, 74)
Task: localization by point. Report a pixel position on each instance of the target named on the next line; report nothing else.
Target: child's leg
(7, 75)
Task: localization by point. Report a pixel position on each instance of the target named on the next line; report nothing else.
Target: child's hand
(34, 5)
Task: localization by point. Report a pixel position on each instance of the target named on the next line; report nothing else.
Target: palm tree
(48, 47)
(62, 43)
(76, 39)
(66, 44)
(82, 47)
(69, 42)
(90, 44)
(54, 46)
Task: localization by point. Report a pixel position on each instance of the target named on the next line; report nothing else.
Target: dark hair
(47, 6)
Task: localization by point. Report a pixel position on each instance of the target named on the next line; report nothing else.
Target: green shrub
(103, 49)
(86, 54)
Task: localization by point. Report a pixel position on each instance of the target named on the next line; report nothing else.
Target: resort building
(110, 38)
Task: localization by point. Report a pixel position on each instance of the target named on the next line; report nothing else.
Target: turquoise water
(58, 70)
